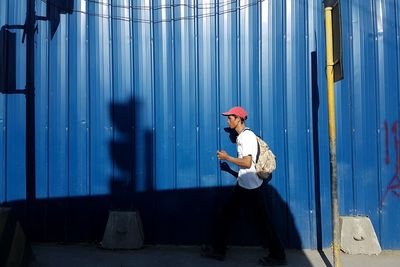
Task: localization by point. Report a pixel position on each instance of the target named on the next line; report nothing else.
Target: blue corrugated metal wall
(128, 97)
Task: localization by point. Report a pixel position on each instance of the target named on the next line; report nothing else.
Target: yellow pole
(332, 135)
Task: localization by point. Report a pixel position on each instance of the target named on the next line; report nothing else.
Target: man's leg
(266, 227)
(225, 220)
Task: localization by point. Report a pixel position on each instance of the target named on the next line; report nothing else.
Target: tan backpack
(266, 160)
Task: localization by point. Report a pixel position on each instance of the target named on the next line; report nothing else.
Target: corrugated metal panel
(14, 114)
(3, 106)
(388, 25)
(128, 97)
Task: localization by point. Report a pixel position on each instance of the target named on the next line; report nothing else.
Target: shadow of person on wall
(232, 134)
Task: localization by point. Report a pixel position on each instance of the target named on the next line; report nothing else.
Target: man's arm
(244, 162)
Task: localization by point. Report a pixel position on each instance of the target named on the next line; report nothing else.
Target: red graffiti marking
(394, 185)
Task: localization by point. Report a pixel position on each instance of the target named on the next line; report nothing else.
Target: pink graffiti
(394, 184)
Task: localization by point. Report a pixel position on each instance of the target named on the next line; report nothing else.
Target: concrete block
(123, 231)
(358, 236)
(15, 249)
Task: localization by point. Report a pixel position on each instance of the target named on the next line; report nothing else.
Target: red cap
(236, 111)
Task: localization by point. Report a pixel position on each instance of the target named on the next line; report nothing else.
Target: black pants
(252, 200)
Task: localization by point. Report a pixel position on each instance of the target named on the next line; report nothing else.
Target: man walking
(247, 194)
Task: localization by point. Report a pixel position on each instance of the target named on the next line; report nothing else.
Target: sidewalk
(82, 255)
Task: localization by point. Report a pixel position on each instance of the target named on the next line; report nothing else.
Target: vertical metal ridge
(48, 114)
(197, 97)
(173, 41)
(132, 90)
(307, 96)
(87, 106)
(217, 85)
(351, 95)
(259, 67)
(310, 46)
(4, 153)
(284, 102)
(89, 132)
(111, 25)
(4, 128)
(378, 115)
(397, 21)
(154, 182)
(238, 53)
(68, 104)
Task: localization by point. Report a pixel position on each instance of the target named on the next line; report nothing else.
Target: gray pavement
(84, 255)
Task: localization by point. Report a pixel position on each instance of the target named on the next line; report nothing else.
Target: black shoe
(209, 252)
(273, 261)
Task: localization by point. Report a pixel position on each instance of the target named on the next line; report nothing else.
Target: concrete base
(15, 250)
(358, 236)
(123, 231)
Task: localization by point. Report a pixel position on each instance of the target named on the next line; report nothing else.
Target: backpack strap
(258, 145)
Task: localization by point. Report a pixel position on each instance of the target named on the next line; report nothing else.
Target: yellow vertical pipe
(330, 72)
(332, 135)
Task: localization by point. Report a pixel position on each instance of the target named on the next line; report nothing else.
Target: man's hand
(222, 155)
(244, 162)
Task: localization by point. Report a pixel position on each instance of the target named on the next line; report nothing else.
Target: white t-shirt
(247, 145)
